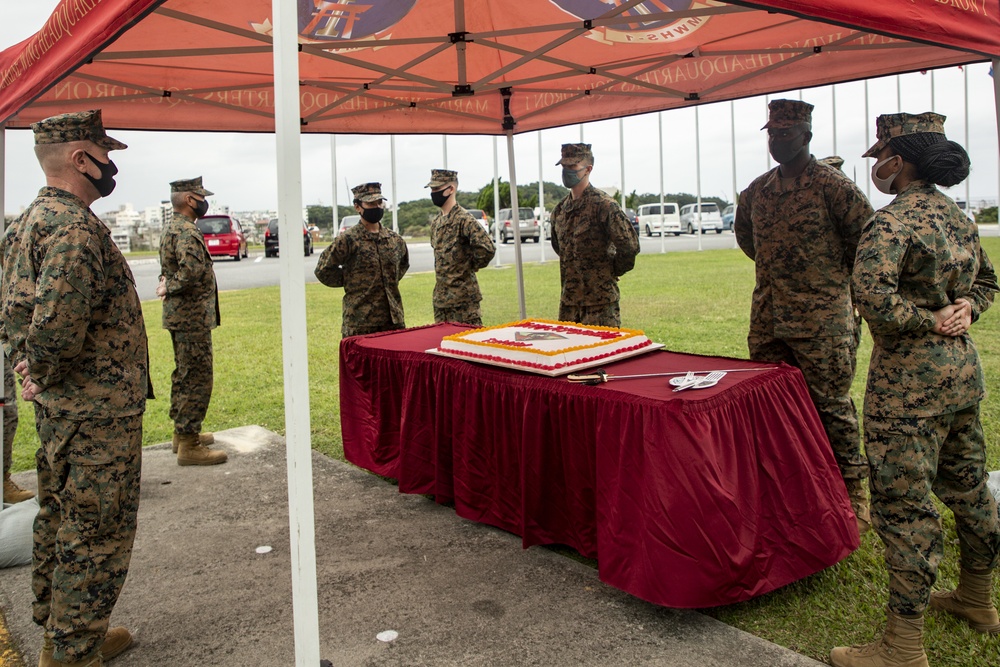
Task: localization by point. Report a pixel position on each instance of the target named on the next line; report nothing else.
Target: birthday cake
(545, 346)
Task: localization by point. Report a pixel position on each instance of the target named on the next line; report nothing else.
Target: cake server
(600, 376)
(705, 382)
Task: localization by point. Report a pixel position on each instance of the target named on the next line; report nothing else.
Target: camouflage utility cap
(783, 114)
(368, 193)
(76, 126)
(834, 161)
(576, 153)
(440, 177)
(191, 185)
(891, 125)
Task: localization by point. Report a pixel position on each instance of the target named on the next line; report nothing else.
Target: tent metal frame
(289, 125)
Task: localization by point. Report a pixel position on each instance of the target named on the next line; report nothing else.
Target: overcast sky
(240, 167)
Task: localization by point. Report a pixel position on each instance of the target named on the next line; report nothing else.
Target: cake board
(555, 372)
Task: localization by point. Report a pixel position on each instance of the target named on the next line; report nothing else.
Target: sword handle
(597, 377)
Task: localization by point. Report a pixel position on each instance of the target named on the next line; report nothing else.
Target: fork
(705, 382)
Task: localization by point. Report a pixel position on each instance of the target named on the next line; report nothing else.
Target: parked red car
(223, 236)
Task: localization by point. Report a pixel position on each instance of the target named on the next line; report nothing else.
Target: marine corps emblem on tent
(341, 20)
(648, 24)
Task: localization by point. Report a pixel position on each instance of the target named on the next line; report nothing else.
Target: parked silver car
(706, 220)
(527, 224)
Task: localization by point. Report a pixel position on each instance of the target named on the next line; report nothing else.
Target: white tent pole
(444, 149)
(833, 95)
(496, 202)
(3, 177)
(663, 234)
(621, 157)
(697, 168)
(868, 136)
(395, 208)
(899, 96)
(996, 106)
(333, 171)
(732, 148)
(294, 344)
(766, 115)
(933, 107)
(581, 133)
(515, 215)
(3, 227)
(965, 82)
(541, 202)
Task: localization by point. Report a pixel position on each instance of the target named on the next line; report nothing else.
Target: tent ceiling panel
(446, 66)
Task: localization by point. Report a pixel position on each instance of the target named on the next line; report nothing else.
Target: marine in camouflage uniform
(71, 312)
(802, 233)
(368, 261)
(461, 247)
(190, 312)
(922, 429)
(595, 242)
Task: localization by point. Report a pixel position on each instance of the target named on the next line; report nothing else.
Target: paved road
(258, 271)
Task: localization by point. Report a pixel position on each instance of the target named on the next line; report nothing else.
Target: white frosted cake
(544, 345)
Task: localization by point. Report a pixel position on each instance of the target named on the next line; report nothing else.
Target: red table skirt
(693, 499)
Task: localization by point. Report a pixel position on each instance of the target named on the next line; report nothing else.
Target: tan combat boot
(116, 641)
(190, 452)
(92, 661)
(12, 493)
(857, 491)
(971, 601)
(205, 439)
(901, 645)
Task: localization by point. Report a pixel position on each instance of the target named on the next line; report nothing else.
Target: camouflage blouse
(802, 234)
(70, 310)
(461, 247)
(917, 255)
(192, 300)
(596, 244)
(369, 267)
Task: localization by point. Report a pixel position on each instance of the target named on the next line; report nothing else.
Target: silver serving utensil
(687, 380)
(709, 380)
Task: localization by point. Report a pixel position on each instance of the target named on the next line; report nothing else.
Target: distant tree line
(987, 215)
(415, 216)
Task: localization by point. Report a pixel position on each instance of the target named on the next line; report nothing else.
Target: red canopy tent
(440, 66)
(445, 66)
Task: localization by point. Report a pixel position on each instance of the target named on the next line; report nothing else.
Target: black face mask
(439, 197)
(201, 208)
(106, 183)
(785, 150)
(372, 215)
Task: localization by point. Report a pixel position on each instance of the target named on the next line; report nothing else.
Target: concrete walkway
(457, 593)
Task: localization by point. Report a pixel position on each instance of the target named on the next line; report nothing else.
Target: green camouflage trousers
(88, 490)
(346, 331)
(910, 459)
(467, 313)
(604, 315)
(9, 414)
(191, 382)
(828, 366)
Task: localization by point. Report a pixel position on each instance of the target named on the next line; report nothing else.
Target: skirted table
(689, 499)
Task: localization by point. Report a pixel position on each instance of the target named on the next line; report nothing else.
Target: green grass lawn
(692, 302)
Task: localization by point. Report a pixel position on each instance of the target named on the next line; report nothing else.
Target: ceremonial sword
(600, 376)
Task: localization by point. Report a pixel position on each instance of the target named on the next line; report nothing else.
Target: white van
(652, 222)
(710, 218)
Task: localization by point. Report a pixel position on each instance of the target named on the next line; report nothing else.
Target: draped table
(689, 499)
